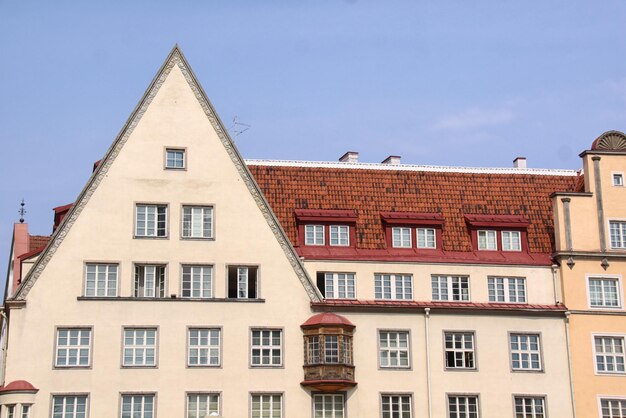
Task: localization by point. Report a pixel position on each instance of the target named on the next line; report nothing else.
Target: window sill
(460, 369)
(527, 371)
(72, 367)
(140, 367)
(176, 299)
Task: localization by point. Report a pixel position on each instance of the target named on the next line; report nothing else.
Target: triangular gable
(174, 58)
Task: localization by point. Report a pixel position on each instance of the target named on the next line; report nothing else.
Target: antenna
(22, 211)
(238, 128)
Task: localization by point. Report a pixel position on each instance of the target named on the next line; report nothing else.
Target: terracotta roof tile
(37, 242)
(452, 194)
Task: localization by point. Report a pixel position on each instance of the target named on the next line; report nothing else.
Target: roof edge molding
(610, 141)
(175, 58)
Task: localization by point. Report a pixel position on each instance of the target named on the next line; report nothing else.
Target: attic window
(413, 230)
(175, 158)
(327, 228)
(507, 233)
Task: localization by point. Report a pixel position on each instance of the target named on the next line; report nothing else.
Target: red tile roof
(452, 194)
(18, 386)
(327, 318)
(37, 242)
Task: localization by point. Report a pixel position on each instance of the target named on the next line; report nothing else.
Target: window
(487, 240)
(604, 292)
(242, 282)
(337, 285)
(425, 238)
(530, 407)
(69, 406)
(200, 405)
(393, 286)
(203, 347)
(525, 352)
(174, 158)
(618, 179)
(328, 348)
(73, 347)
(455, 288)
(609, 353)
(511, 241)
(139, 347)
(266, 405)
(138, 406)
(613, 408)
(10, 411)
(459, 350)
(314, 234)
(149, 281)
(396, 406)
(101, 280)
(340, 235)
(328, 406)
(393, 348)
(462, 406)
(197, 282)
(401, 237)
(25, 411)
(197, 222)
(151, 221)
(266, 347)
(507, 289)
(617, 230)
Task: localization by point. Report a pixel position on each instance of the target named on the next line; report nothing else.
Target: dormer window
(487, 241)
(326, 228)
(505, 233)
(413, 230)
(511, 241)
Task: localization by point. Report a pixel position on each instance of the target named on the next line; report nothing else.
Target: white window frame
(312, 234)
(507, 289)
(145, 349)
(25, 410)
(11, 408)
(267, 404)
(212, 401)
(444, 290)
(336, 400)
(620, 235)
(611, 398)
(391, 349)
(427, 234)
(488, 233)
(206, 349)
(196, 289)
(154, 280)
(261, 351)
(75, 404)
(194, 220)
(175, 160)
(465, 400)
(396, 405)
(532, 401)
(605, 277)
(133, 398)
(401, 237)
(525, 355)
(339, 235)
(393, 286)
(615, 176)
(108, 287)
(160, 228)
(509, 244)
(342, 285)
(75, 350)
(462, 351)
(609, 354)
(243, 274)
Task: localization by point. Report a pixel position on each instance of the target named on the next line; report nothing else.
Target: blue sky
(471, 83)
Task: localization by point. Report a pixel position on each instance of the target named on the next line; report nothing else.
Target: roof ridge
(413, 167)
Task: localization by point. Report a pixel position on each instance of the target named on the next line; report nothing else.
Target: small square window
(618, 179)
(151, 220)
(340, 235)
(328, 405)
(487, 240)
(393, 406)
(69, 406)
(197, 282)
(149, 281)
(203, 405)
(425, 238)
(175, 158)
(267, 347)
(507, 289)
(613, 408)
(530, 407)
(617, 230)
(139, 347)
(525, 352)
(314, 234)
(393, 286)
(511, 241)
(197, 222)
(203, 347)
(459, 350)
(610, 357)
(101, 280)
(401, 237)
(604, 292)
(137, 406)
(266, 405)
(393, 349)
(337, 285)
(73, 348)
(462, 406)
(452, 288)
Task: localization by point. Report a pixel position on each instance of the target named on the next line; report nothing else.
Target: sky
(460, 83)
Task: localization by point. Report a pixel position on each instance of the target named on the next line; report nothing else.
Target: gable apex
(174, 59)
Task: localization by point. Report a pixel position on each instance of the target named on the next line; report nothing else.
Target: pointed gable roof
(175, 58)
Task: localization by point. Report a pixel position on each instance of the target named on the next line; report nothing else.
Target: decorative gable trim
(175, 58)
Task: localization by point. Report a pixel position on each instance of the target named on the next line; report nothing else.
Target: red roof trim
(31, 253)
(326, 215)
(501, 221)
(411, 304)
(327, 318)
(63, 208)
(18, 386)
(412, 218)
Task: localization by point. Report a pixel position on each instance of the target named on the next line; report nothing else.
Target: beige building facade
(187, 282)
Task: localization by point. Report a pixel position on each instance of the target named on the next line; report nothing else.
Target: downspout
(428, 386)
(569, 363)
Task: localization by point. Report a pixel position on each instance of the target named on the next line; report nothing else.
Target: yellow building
(590, 229)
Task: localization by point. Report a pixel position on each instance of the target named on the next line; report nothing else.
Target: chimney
(519, 162)
(392, 160)
(20, 246)
(350, 157)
